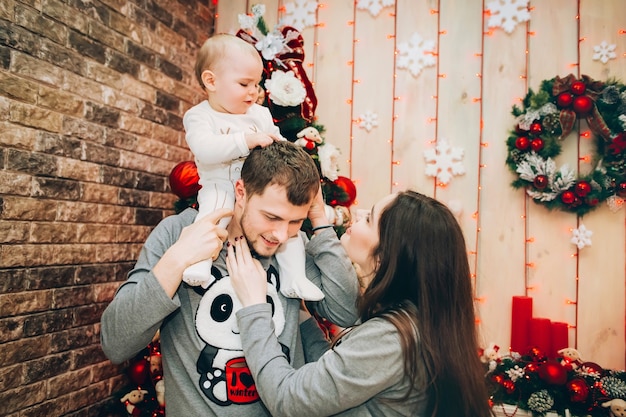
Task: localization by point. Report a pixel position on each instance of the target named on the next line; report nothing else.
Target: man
(204, 369)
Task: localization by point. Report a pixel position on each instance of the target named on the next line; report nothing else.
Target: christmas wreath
(542, 126)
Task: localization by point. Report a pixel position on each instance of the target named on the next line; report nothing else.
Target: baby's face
(236, 83)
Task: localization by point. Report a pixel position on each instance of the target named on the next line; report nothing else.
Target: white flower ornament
(285, 89)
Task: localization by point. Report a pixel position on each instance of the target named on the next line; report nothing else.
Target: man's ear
(208, 80)
(240, 192)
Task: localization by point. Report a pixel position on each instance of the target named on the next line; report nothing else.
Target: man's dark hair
(285, 164)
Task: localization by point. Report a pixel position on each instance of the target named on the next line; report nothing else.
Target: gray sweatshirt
(203, 366)
(361, 375)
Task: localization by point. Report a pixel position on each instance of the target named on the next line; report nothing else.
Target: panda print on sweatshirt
(225, 377)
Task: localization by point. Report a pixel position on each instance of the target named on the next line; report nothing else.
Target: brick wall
(92, 94)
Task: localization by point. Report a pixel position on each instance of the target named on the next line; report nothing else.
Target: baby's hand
(260, 139)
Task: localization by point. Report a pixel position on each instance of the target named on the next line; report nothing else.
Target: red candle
(521, 313)
(560, 335)
(540, 336)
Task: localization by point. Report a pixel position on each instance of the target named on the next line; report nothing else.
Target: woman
(415, 351)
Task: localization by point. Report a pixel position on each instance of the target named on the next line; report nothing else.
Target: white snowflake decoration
(416, 54)
(604, 52)
(581, 237)
(444, 161)
(622, 120)
(507, 13)
(300, 14)
(374, 6)
(368, 121)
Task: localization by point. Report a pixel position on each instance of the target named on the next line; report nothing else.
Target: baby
(221, 131)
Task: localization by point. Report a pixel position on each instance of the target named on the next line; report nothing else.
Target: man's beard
(251, 242)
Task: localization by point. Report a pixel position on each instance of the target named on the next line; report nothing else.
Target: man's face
(269, 219)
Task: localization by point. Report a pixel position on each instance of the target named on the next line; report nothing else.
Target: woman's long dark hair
(422, 286)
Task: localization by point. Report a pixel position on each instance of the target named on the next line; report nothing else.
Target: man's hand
(197, 242)
(247, 275)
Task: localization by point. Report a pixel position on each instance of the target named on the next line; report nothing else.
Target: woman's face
(361, 238)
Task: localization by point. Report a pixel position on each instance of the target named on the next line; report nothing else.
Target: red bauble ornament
(139, 371)
(540, 182)
(536, 128)
(568, 197)
(536, 144)
(522, 143)
(592, 202)
(349, 188)
(621, 189)
(184, 180)
(552, 372)
(582, 105)
(578, 390)
(582, 188)
(578, 88)
(564, 100)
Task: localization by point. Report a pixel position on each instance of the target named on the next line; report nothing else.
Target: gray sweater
(361, 375)
(200, 344)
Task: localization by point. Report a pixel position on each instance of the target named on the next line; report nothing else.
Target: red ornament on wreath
(347, 185)
(549, 116)
(582, 188)
(522, 143)
(582, 105)
(184, 180)
(578, 88)
(541, 182)
(564, 100)
(536, 144)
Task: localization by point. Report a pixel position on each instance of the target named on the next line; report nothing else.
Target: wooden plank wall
(516, 246)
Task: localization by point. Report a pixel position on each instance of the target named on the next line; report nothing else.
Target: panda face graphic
(216, 321)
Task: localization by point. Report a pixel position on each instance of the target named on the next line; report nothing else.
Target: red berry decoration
(564, 100)
(522, 143)
(621, 189)
(578, 88)
(568, 197)
(578, 390)
(540, 182)
(536, 144)
(552, 372)
(582, 188)
(582, 105)
(536, 128)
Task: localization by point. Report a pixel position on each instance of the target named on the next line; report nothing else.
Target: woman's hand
(247, 275)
